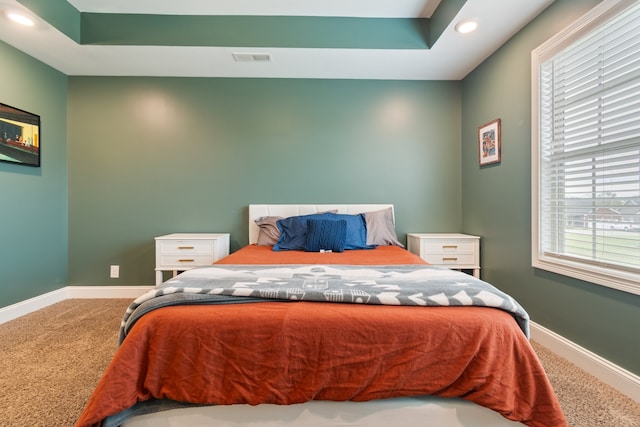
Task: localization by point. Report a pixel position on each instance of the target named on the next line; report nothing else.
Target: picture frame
(19, 136)
(489, 143)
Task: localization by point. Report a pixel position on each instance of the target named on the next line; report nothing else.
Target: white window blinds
(588, 149)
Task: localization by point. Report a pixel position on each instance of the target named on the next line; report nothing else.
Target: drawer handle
(185, 260)
(449, 246)
(449, 259)
(185, 247)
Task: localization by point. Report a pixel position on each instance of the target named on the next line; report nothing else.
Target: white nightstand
(183, 251)
(451, 250)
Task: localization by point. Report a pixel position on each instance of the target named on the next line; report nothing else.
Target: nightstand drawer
(447, 246)
(185, 246)
(180, 261)
(450, 259)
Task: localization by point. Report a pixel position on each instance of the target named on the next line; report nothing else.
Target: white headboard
(257, 211)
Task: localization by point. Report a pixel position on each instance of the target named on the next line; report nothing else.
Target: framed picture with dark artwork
(489, 143)
(19, 136)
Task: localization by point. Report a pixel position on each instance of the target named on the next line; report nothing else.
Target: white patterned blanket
(415, 285)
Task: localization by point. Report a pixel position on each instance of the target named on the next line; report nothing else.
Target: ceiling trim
(352, 8)
(442, 17)
(254, 31)
(331, 32)
(59, 14)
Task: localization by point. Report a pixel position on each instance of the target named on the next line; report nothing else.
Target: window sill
(620, 280)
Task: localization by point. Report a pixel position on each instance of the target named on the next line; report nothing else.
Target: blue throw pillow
(356, 231)
(326, 235)
(293, 231)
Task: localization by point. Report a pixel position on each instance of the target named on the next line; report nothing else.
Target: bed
(351, 331)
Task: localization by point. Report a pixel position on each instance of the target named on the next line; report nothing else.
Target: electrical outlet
(115, 271)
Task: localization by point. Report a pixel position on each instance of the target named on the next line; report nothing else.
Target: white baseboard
(619, 378)
(89, 292)
(69, 292)
(607, 372)
(32, 304)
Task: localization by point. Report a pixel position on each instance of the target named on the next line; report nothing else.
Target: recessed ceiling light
(467, 26)
(20, 19)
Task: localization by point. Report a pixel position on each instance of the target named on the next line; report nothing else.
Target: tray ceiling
(329, 39)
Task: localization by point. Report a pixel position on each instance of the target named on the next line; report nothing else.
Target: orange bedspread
(291, 352)
(382, 255)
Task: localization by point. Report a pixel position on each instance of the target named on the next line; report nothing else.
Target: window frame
(612, 277)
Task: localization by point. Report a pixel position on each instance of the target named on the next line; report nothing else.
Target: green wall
(497, 203)
(33, 201)
(151, 156)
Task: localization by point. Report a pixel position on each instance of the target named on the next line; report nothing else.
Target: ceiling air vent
(252, 57)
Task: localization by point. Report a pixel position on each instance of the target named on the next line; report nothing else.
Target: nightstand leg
(158, 277)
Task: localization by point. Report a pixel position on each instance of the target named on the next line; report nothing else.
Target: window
(586, 149)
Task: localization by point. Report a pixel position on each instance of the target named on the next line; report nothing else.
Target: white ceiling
(452, 57)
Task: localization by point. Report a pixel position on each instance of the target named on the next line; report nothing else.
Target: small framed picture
(489, 143)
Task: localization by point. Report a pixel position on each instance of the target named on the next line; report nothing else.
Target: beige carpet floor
(52, 359)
